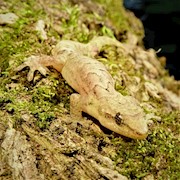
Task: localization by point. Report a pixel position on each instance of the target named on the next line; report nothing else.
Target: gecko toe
(19, 68)
(30, 75)
(43, 70)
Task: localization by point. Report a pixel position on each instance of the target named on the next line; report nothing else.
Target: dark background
(161, 20)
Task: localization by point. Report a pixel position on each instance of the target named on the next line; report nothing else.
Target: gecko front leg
(40, 63)
(76, 106)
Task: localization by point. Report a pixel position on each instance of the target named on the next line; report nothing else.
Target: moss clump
(121, 20)
(19, 39)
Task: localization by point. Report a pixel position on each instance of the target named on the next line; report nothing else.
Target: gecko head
(123, 115)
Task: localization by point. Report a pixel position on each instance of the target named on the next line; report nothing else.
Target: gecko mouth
(134, 134)
(138, 134)
(126, 130)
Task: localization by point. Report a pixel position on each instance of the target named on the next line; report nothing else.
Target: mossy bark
(39, 139)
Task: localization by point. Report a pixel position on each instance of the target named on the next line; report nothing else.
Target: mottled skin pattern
(94, 86)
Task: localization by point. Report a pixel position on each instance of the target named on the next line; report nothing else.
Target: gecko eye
(118, 118)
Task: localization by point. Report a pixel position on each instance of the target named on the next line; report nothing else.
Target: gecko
(95, 87)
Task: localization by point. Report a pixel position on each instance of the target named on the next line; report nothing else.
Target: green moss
(11, 102)
(19, 39)
(46, 103)
(115, 12)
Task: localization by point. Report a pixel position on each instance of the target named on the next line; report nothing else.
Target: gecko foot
(33, 62)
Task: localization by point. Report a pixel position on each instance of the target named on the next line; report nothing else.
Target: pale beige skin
(87, 76)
